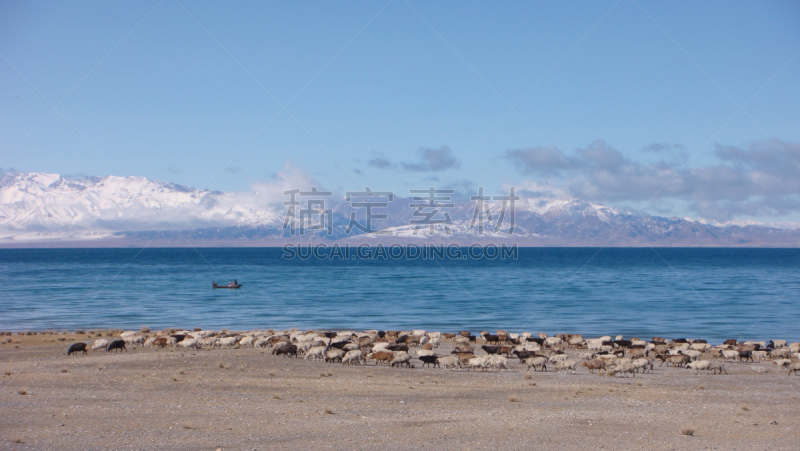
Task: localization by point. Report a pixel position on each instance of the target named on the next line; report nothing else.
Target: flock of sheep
(486, 351)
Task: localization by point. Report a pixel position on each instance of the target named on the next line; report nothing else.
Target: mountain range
(39, 209)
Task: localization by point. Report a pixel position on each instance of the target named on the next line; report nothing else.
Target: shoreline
(247, 398)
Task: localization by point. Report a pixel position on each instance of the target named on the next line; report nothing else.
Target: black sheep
(76, 348)
(286, 350)
(429, 360)
(117, 344)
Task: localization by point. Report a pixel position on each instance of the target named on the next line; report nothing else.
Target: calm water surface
(710, 293)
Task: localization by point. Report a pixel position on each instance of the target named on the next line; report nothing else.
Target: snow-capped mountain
(40, 206)
(135, 211)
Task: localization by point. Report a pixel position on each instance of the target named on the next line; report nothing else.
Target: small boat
(214, 285)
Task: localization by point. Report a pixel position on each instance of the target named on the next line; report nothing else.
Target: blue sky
(679, 108)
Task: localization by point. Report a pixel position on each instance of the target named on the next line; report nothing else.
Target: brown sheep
(381, 357)
(596, 364)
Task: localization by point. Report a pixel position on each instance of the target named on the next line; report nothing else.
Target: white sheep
(436, 342)
(424, 352)
(643, 364)
(717, 366)
(781, 353)
(594, 344)
(101, 343)
(317, 351)
(332, 355)
(227, 341)
(263, 341)
(352, 357)
(782, 362)
(189, 343)
(625, 368)
(555, 358)
(698, 365)
(449, 361)
(760, 355)
(730, 354)
(401, 358)
(478, 362)
(567, 365)
(247, 341)
(553, 341)
(135, 340)
(536, 362)
(497, 361)
(702, 347)
(693, 355)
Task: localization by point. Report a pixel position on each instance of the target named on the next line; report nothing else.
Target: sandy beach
(247, 399)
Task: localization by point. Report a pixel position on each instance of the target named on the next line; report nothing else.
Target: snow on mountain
(41, 205)
(36, 207)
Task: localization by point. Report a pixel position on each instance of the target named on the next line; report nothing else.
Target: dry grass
(223, 366)
(188, 426)
(701, 387)
(276, 397)
(64, 370)
(745, 408)
(328, 411)
(326, 374)
(512, 398)
(687, 431)
(22, 391)
(8, 373)
(527, 376)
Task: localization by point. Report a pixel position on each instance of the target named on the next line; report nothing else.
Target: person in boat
(230, 283)
(213, 283)
(235, 282)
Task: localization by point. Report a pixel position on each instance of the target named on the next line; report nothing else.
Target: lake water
(710, 293)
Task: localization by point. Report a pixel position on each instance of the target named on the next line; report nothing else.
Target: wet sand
(249, 399)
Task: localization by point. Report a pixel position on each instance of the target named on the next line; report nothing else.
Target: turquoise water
(710, 293)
